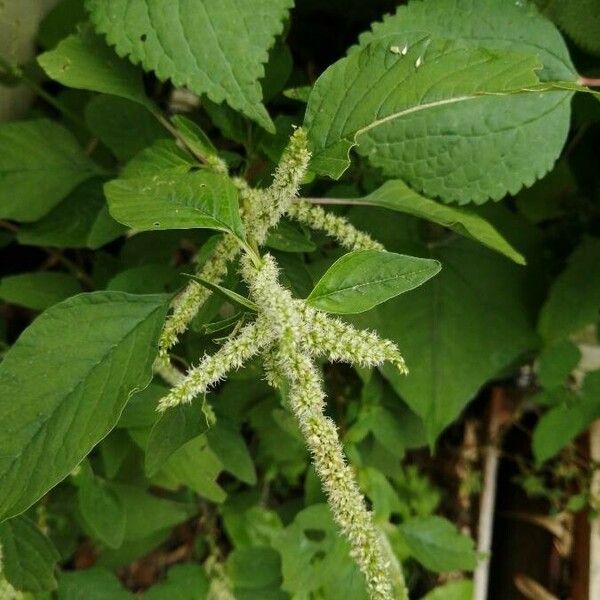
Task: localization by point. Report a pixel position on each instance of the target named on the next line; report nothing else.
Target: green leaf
(479, 299)
(230, 448)
(108, 339)
(83, 61)
(81, 220)
(389, 91)
(161, 156)
(147, 279)
(254, 567)
(564, 422)
(123, 126)
(91, 584)
(40, 163)
(556, 362)
(487, 146)
(212, 48)
(61, 21)
(102, 511)
(174, 428)
(454, 590)
(174, 200)
(580, 20)
(360, 280)
(288, 237)
(226, 294)
(437, 545)
(28, 556)
(574, 298)
(396, 195)
(183, 582)
(38, 290)
(194, 136)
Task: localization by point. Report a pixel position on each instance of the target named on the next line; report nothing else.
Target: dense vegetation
(282, 284)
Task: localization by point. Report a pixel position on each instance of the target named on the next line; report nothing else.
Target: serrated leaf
(211, 47)
(377, 91)
(81, 220)
(479, 299)
(360, 280)
(84, 61)
(40, 163)
(38, 290)
(28, 556)
(108, 339)
(174, 428)
(437, 544)
(125, 127)
(490, 146)
(174, 200)
(102, 511)
(574, 298)
(396, 195)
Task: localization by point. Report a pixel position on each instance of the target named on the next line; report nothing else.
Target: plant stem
(336, 201)
(589, 81)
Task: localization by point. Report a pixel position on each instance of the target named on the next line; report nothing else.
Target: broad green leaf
(231, 449)
(183, 582)
(38, 290)
(84, 61)
(140, 411)
(146, 514)
(574, 298)
(28, 556)
(40, 163)
(147, 279)
(488, 146)
(580, 20)
(60, 22)
(254, 567)
(161, 156)
(108, 339)
(175, 200)
(437, 544)
(211, 47)
(379, 91)
(396, 195)
(288, 237)
(226, 294)
(562, 423)
(125, 127)
(91, 584)
(360, 280)
(102, 511)
(479, 299)
(454, 590)
(81, 220)
(194, 136)
(174, 428)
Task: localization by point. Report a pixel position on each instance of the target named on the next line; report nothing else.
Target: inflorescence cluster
(289, 335)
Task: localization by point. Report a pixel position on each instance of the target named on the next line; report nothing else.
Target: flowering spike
(249, 341)
(334, 226)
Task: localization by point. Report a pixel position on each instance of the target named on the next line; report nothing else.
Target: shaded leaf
(38, 290)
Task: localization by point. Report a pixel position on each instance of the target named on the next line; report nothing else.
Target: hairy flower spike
(334, 226)
(247, 343)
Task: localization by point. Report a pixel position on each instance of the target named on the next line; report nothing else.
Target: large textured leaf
(472, 151)
(53, 416)
(381, 93)
(40, 163)
(38, 290)
(28, 556)
(176, 200)
(213, 47)
(458, 330)
(360, 280)
(84, 61)
(574, 299)
(396, 195)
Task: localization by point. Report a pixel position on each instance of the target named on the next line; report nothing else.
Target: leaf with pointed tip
(396, 195)
(212, 47)
(485, 148)
(363, 279)
(171, 199)
(226, 293)
(109, 341)
(84, 61)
